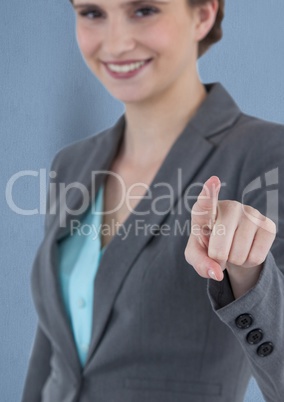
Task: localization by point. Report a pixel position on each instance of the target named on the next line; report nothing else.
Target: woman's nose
(118, 38)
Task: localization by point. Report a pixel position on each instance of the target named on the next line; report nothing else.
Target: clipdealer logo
(54, 198)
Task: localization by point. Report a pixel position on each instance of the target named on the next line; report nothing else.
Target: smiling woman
(149, 31)
(179, 297)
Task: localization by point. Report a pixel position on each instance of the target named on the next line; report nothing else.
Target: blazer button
(254, 336)
(244, 321)
(265, 349)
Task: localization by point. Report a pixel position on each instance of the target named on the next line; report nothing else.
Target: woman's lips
(121, 63)
(128, 74)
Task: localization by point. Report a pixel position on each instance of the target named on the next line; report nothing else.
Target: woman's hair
(215, 34)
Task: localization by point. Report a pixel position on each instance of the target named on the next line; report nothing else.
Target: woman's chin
(129, 96)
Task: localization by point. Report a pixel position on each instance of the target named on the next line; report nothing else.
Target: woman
(151, 311)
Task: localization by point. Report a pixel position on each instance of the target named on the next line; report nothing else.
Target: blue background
(49, 98)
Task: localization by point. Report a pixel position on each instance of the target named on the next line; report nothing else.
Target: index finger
(205, 208)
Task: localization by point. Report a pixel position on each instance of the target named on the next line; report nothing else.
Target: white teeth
(126, 68)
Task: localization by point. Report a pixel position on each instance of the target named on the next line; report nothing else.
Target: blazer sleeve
(257, 318)
(39, 367)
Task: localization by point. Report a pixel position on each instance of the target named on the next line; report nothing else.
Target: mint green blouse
(79, 257)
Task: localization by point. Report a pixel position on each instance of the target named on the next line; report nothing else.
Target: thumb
(196, 254)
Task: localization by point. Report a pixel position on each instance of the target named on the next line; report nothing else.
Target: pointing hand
(226, 234)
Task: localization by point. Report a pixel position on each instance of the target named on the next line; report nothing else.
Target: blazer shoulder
(83, 147)
(257, 129)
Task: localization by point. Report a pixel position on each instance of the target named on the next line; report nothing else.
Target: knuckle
(198, 209)
(271, 227)
(203, 203)
(248, 209)
(255, 258)
(220, 255)
(230, 207)
(232, 204)
(238, 260)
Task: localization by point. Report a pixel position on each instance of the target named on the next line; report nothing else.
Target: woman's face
(113, 31)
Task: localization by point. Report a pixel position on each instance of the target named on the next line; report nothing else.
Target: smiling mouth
(126, 67)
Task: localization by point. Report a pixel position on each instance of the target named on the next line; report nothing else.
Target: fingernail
(212, 275)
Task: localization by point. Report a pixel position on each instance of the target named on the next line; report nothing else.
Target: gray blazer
(161, 333)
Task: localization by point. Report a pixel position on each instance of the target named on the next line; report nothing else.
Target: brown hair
(216, 33)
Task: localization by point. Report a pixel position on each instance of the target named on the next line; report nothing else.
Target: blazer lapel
(189, 152)
(98, 158)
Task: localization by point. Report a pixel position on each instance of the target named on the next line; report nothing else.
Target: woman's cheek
(161, 40)
(87, 41)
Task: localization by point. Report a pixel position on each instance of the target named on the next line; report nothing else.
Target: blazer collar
(218, 112)
(190, 151)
